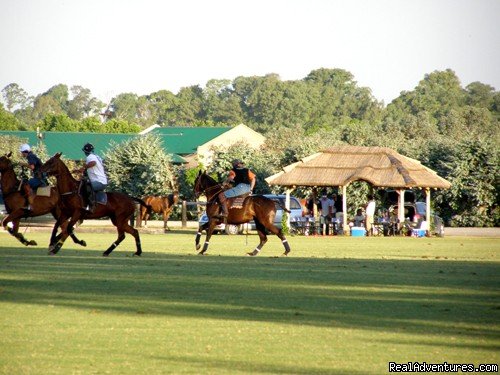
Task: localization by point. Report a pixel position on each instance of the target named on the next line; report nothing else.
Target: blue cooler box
(358, 232)
(419, 232)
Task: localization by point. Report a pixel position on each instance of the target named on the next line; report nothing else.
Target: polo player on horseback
(243, 180)
(34, 163)
(95, 172)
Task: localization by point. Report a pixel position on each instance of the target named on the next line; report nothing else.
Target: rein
(207, 189)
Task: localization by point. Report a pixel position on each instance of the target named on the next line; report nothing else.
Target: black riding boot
(223, 205)
(27, 193)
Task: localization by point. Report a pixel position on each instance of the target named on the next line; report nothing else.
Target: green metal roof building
(185, 141)
(70, 144)
(184, 144)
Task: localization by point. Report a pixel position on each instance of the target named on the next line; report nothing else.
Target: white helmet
(25, 148)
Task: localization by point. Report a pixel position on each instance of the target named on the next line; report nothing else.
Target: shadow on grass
(428, 297)
(251, 367)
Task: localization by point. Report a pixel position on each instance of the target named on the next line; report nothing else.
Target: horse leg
(210, 229)
(13, 229)
(201, 228)
(75, 239)
(261, 230)
(121, 237)
(122, 226)
(66, 229)
(53, 237)
(278, 232)
(135, 233)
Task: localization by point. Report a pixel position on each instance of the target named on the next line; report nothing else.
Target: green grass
(334, 306)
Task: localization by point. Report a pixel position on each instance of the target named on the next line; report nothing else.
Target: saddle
(237, 202)
(43, 191)
(29, 194)
(89, 196)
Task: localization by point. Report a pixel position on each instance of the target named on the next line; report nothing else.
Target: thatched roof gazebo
(379, 166)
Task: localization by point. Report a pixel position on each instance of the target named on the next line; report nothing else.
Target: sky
(143, 46)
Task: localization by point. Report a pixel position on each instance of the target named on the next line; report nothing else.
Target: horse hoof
(137, 254)
(253, 253)
(83, 243)
(198, 247)
(105, 255)
(31, 243)
(285, 253)
(201, 253)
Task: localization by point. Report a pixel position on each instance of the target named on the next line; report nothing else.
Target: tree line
(449, 128)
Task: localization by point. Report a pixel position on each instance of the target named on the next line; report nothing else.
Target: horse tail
(277, 202)
(142, 203)
(284, 208)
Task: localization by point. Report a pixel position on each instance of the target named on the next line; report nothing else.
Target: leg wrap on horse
(286, 245)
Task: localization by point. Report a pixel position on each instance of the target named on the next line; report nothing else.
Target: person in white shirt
(327, 212)
(370, 214)
(95, 172)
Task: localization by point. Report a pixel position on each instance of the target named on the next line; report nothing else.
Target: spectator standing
(370, 214)
(327, 212)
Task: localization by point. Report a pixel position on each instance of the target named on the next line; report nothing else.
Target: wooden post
(344, 210)
(401, 207)
(184, 215)
(428, 207)
(287, 205)
(138, 220)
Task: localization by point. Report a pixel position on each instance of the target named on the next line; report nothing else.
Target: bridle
(199, 190)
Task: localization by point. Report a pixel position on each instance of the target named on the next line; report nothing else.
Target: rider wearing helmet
(243, 180)
(95, 172)
(34, 163)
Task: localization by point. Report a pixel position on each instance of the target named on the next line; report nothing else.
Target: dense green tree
(7, 120)
(119, 126)
(436, 94)
(189, 110)
(60, 94)
(163, 104)
(45, 105)
(57, 123)
(480, 95)
(124, 107)
(83, 104)
(473, 168)
(140, 167)
(15, 96)
(90, 125)
(221, 105)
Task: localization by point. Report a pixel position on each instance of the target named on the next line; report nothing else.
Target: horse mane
(65, 169)
(212, 180)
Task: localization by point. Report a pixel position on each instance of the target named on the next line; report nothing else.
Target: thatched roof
(341, 165)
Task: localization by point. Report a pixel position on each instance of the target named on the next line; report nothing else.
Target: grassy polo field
(336, 305)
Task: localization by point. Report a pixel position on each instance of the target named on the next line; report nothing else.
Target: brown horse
(161, 205)
(258, 208)
(15, 203)
(119, 207)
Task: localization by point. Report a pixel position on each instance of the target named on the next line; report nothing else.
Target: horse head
(5, 162)
(203, 184)
(52, 166)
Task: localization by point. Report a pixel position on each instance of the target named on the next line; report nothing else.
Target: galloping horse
(257, 207)
(15, 204)
(162, 205)
(119, 207)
